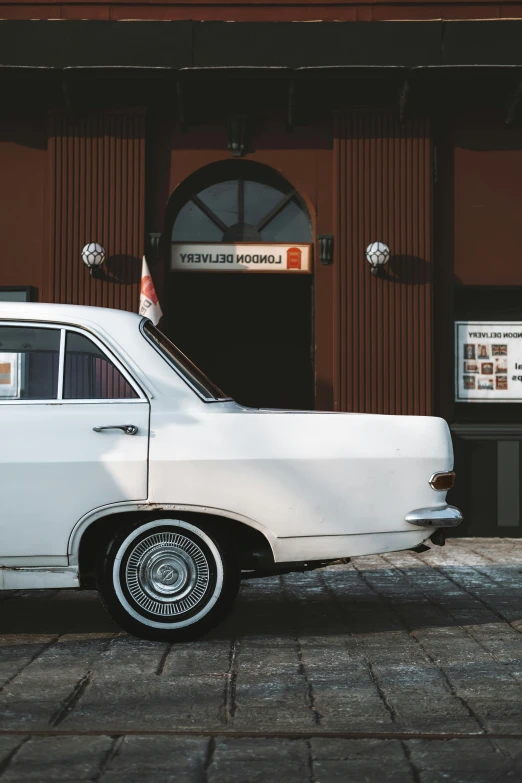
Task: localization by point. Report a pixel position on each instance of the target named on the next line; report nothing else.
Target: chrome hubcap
(167, 574)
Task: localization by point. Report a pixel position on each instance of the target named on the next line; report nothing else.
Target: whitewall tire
(168, 579)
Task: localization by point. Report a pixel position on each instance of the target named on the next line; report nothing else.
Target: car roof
(106, 318)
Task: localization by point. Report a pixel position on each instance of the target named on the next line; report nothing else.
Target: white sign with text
(241, 257)
(488, 361)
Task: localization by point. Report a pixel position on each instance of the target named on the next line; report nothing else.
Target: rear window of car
(89, 373)
(29, 363)
(182, 364)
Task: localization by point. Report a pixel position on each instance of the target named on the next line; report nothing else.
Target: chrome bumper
(440, 516)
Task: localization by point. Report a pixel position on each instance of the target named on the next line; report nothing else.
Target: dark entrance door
(251, 333)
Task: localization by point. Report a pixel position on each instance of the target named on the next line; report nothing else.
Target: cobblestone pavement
(402, 667)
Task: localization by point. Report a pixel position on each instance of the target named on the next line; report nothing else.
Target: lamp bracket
(326, 245)
(237, 131)
(153, 244)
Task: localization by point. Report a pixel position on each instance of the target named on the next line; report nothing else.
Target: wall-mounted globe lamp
(93, 256)
(377, 255)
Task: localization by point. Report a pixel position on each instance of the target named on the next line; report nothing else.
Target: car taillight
(442, 481)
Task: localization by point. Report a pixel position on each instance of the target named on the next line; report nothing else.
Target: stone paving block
(7, 746)
(208, 658)
(448, 640)
(334, 661)
(36, 697)
(498, 715)
(334, 638)
(59, 758)
(469, 751)
(130, 658)
(420, 697)
(349, 705)
(152, 702)
(259, 761)
(368, 760)
(272, 703)
(487, 678)
(479, 622)
(466, 760)
(358, 711)
(369, 620)
(369, 771)
(496, 636)
(268, 661)
(16, 652)
(511, 748)
(490, 593)
(389, 649)
(339, 719)
(326, 749)
(163, 759)
(506, 575)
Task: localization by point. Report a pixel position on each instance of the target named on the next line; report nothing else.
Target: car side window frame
(42, 326)
(110, 356)
(141, 396)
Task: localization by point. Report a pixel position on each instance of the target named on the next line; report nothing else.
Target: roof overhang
(268, 46)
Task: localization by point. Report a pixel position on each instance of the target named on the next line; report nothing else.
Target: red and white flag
(149, 305)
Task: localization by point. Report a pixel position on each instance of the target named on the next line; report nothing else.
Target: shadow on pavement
(270, 608)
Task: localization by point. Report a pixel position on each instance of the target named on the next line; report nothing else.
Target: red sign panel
(293, 258)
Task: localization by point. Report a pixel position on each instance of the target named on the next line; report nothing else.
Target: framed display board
(488, 361)
(12, 293)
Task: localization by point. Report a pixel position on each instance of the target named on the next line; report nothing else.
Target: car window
(29, 361)
(187, 369)
(89, 374)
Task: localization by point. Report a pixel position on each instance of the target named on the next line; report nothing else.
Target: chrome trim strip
(61, 365)
(438, 516)
(53, 401)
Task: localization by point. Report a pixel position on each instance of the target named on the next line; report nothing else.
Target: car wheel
(168, 579)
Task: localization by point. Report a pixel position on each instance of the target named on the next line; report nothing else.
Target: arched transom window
(242, 207)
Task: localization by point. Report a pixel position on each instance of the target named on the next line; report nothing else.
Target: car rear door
(74, 430)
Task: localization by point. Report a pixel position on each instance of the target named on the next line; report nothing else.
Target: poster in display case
(10, 376)
(488, 361)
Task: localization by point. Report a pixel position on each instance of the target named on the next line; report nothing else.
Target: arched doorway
(251, 333)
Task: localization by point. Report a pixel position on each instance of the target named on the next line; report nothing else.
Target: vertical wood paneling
(97, 195)
(383, 326)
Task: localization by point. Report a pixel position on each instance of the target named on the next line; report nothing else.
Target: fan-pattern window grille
(242, 210)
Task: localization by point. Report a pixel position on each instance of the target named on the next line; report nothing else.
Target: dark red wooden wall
(23, 196)
(262, 10)
(383, 325)
(96, 193)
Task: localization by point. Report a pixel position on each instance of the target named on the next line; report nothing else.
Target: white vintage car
(123, 467)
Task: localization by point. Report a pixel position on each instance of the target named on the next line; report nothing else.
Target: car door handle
(128, 429)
